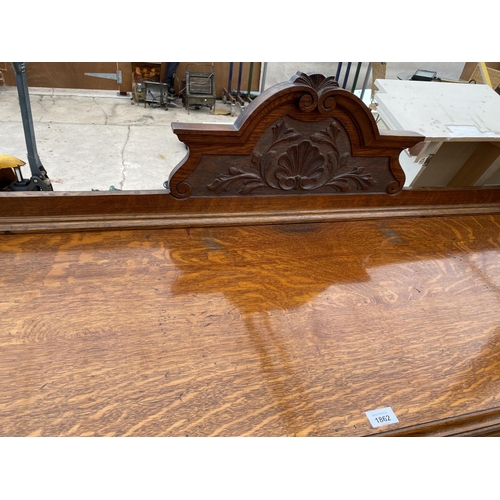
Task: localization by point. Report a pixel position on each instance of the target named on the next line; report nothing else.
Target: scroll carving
(310, 163)
(320, 92)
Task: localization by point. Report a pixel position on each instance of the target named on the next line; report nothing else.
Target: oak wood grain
(65, 211)
(248, 331)
(145, 314)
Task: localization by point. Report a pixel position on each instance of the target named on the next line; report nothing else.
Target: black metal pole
(250, 75)
(39, 179)
(339, 69)
(239, 77)
(24, 103)
(230, 82)
(347, 71)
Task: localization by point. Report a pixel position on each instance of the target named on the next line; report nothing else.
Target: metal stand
(237, 96)
(39, 180)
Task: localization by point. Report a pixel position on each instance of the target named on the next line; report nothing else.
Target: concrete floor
(97, 140)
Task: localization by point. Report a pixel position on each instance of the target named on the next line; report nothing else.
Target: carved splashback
(305, 136)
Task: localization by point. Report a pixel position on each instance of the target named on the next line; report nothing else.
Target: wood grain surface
(284, 330)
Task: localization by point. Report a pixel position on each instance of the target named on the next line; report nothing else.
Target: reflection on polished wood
(284, 287)
(264, 330)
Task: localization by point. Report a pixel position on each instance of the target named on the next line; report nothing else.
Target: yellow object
(484, 73)
(7, 161)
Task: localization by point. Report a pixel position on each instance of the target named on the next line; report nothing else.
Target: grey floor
(96, 139)
(99, 140)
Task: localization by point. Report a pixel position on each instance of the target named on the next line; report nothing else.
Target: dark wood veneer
(306, 135)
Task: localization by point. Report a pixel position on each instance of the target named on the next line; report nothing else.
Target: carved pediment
(296, 161)
(306, 136)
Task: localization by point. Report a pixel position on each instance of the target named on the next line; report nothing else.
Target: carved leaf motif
(318, 82)
(343, 159)
(256, 156)
(282, 132)
(301, 166)
(341, 182)
(266, 162)
(224, 182)
(329, 136)
(251, 185)
(333, 161)
(278, 130)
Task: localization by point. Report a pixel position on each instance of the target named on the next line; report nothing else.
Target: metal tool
(108, 76)
(226, 96)
(156, 93)
(39, 180)
(238, 96)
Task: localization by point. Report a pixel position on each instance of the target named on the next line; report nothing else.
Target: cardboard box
(471, 71)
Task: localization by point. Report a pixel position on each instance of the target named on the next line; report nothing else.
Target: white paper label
(382, 416)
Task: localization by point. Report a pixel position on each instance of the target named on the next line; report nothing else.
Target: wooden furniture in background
(286, 286)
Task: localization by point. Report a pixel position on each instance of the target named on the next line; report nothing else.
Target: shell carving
(301, 167)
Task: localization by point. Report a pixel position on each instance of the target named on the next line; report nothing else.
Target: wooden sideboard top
(275, 330)
(284, 286)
